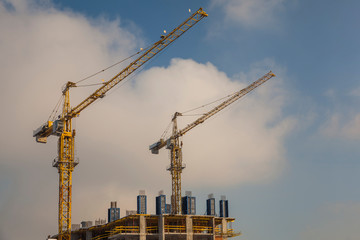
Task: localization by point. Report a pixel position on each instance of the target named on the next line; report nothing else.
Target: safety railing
(152, 229)
(125, 229)
(202, 229)
(174, 229)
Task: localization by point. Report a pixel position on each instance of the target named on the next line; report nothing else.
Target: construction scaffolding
(160, 227)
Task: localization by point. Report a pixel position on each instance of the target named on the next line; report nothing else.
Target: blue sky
(286, 156)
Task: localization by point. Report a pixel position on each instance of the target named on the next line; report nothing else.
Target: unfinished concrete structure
(160, 227)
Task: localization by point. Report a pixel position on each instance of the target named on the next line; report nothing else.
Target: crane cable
(166, 131)
(196, 114)
(113, 65)
(205, 105)
(56, 108)
(54, 112)
(140, 69)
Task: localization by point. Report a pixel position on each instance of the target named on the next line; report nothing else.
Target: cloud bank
(43, 47)
(251, 13)
(343, 122)
(334, 221)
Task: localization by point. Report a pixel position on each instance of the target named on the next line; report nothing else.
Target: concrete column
(189, 228)
(142, 227)
(161, 228)
(213, 228)
(224, 228)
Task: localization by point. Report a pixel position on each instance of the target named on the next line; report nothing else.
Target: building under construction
(162, 225)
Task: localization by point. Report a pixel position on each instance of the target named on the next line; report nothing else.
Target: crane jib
(145, 57)
(45, 130)
(226, 103)
(161, 143)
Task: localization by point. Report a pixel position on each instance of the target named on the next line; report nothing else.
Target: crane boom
(175, 147)
(62, 127)
(151, 52)
(48, 128)
(226, 103)
(161, 143)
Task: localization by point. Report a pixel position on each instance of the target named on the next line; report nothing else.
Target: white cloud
(251, 13)
(42, 48)
(355, 92)
(342, 125)
(330, 93)
(343, 121)
(334, 221)
(350, 129)
(246, 140)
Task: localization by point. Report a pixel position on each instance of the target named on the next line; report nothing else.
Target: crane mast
(65, 163)
(62, 127)
(175, 146)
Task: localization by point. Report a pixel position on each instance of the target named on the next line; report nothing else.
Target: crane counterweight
(42, 132)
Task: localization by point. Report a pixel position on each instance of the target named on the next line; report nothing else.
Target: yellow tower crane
(62, 127)
(175, 147)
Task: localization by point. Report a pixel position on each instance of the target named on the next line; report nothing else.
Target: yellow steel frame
(65, 166)
(176, 168)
